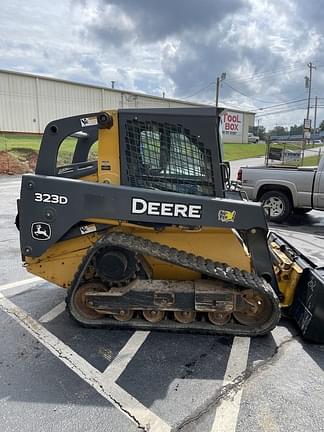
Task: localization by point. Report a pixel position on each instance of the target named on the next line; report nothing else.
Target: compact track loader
(144, 233)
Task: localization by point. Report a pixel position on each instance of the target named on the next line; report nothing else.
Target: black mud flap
(308, 306)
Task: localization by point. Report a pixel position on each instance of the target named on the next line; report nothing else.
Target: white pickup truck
(252, 138)
(284, 190)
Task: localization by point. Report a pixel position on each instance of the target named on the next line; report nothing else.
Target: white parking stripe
(118, 397)
(53, 313)
(125, 355)
(281, 335)
(149, 421)
(227, 412)
(13, 183)
(27, 281)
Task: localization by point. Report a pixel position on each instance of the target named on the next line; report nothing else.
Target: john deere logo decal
(226, 215)
(41, 231)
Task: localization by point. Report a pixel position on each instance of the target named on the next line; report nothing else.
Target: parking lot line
(53, 313)
(23, 282)
(117, 396)
(149, 421)
(125, 355)
(281, 335)
(12, 183)
(227, 412)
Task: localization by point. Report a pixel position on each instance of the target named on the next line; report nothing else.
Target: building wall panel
(18, 106)
(29, 102)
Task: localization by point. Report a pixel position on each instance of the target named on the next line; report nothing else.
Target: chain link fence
(293, 153)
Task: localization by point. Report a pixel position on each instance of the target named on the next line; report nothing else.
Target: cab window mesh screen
(167, 157)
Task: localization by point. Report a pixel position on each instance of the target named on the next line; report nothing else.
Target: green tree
(258, 131)
(321, 126)
(261, 132)
(279, 130)
(296, 130)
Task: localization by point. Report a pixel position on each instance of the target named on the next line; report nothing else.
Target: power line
(244, 94)
(199, 91)
(280, 112)
(261, 75)
(267, 74)
(283, 103)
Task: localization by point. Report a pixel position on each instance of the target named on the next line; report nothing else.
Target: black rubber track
(222, 271)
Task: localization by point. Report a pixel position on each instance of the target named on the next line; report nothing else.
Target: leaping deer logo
(41, 231)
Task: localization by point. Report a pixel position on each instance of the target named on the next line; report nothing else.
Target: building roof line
(116, 90)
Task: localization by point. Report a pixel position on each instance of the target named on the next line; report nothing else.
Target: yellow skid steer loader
(143, 233)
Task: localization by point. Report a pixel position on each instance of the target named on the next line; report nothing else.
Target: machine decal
(50, 198)
(105, 166)
(86, 229)
(155, 208)
(88, 121)
(311, 283)
(41, 231)
(226, 215)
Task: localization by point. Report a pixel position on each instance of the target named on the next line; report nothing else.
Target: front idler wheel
(79, 305)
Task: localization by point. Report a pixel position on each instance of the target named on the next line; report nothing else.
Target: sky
(178, 47)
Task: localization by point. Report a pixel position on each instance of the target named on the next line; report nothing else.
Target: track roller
(124, 315)
(153, 316)
(185, 317)
(219, 318)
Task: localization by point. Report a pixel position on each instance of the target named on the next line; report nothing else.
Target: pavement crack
(190, 366)
(228, 391)
(139, 425)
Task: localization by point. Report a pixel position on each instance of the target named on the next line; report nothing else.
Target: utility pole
(315, 115)
(308, 83)
(217, 91)
(218, 81)
(307, 122)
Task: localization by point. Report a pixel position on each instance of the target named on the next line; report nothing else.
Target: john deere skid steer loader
(145, 234)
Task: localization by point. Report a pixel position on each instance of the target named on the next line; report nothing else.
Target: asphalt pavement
(57, 376)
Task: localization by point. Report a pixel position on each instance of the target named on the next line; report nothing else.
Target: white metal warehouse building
(28, 102)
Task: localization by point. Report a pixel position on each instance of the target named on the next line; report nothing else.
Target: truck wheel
(278, 205)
